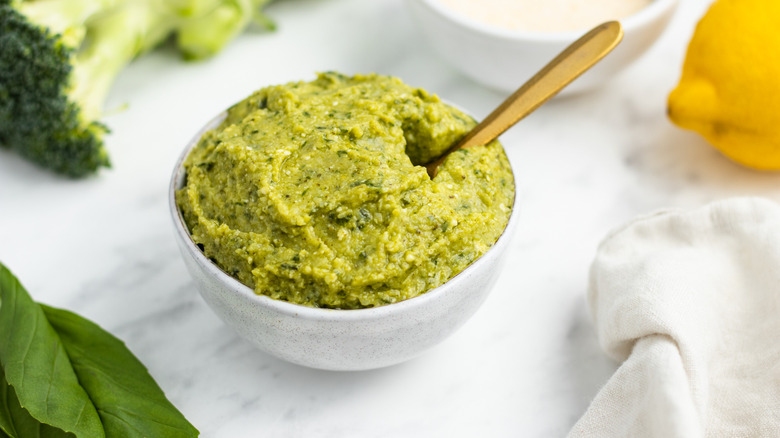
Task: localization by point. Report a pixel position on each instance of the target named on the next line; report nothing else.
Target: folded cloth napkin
(690, 302)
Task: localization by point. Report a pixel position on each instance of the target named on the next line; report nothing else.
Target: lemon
(729, 91)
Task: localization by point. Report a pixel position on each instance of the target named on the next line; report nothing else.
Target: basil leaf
(36, 365)
(17, 422)
(104, 381)
(129, 401)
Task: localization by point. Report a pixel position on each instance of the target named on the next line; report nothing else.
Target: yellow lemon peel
(729, 91)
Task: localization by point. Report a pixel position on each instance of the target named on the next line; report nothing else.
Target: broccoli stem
(193, 8)
(59, 58)
(111, 43)
(67, 18)
(202, 37)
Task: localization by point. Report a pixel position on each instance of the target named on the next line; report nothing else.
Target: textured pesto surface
(307, 192)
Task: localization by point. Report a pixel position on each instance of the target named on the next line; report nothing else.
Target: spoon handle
(558, 73)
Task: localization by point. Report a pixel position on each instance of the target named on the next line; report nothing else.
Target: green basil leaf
(129, 401)
(113, 383)
(15, 421)
(36, 365)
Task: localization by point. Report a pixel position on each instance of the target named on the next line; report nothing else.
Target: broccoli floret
(37, 118)
(59, 58)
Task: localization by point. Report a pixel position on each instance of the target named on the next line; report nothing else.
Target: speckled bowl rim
(299, 310)
(640, 18)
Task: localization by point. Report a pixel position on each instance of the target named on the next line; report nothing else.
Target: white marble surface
(526, 365)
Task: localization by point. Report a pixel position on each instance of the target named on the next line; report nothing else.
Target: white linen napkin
(690, 301)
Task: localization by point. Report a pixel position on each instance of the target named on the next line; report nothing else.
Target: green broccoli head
(37, 117)
(59, 58)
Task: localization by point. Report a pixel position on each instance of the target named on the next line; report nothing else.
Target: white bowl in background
(504, 59)
(337, 339)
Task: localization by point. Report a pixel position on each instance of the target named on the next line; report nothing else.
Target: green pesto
(308, 192)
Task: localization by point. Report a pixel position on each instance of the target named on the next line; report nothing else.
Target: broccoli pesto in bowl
(313, 193)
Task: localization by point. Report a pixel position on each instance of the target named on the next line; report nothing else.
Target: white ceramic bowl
(504, 59)
(337, 339)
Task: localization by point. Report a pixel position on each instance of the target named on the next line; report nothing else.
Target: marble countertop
(527, 364)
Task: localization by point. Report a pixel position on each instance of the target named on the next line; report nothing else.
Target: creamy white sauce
(546, 15)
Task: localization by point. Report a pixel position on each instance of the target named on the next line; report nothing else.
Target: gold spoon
(566, 67)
